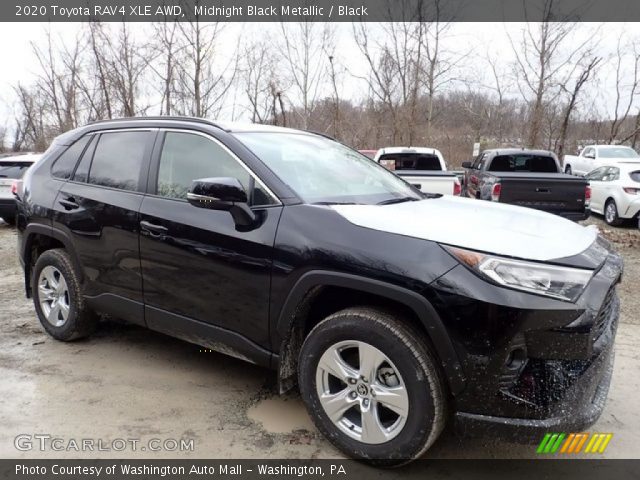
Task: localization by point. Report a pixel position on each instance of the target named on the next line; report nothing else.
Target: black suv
(396, 312)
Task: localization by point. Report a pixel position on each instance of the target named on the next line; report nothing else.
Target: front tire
(372, 386)
(568, 170)
(611, 214)
(58, 298)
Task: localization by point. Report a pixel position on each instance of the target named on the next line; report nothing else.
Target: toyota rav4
(395, 312)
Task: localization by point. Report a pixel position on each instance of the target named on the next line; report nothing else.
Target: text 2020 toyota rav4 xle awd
(396, 312)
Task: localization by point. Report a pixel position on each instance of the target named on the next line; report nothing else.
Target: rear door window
(118, 159)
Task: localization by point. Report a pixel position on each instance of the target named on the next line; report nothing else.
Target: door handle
(542, 190)
(69, 203)
(153, 229)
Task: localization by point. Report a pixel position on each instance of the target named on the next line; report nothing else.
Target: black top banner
(320, 10)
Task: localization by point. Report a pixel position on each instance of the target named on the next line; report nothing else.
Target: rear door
(206, 280)
(98, 207)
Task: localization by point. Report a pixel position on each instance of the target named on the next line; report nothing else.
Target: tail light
(587, 196)
(457, 188)
(15, 187)
(632, 191)
(495, 192)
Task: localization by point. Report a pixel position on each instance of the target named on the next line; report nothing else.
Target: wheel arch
(40, 238)
(291, 325)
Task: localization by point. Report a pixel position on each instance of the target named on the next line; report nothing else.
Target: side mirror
(466, 164)
(222, 193)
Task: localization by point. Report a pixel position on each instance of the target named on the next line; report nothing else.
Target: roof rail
(160, 117)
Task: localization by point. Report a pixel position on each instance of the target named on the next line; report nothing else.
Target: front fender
(417, 303)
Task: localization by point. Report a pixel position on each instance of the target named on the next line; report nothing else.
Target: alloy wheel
(362, 392)
(611, 212)
(53, 294)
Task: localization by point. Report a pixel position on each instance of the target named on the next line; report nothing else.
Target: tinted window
(10, 169)
(410, 161)
(187, 157)
(118, 160)
(523, 163)
(82, 170)
(476, 163)
(64, 165)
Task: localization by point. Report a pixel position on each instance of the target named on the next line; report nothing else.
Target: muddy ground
(129, 383)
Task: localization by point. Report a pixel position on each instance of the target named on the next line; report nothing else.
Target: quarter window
(64, 165)
(187, 157)
(117, 161)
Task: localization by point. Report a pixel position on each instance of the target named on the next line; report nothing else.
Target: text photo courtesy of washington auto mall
(352, 239)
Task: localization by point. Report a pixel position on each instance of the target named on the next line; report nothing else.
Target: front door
(204, 280)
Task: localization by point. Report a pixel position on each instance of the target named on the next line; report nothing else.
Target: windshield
(617, 152)
(320, 170)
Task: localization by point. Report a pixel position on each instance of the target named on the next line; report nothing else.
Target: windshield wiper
(336, 203)
(398, 200)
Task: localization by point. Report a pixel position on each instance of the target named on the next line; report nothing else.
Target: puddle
(281, 415)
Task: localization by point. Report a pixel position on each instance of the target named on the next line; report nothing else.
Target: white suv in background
(12, 168)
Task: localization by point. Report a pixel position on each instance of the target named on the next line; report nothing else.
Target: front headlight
(564, 283)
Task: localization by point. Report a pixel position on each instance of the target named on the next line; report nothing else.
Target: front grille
(602, 319)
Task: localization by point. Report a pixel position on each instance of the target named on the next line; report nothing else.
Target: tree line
(416, 85)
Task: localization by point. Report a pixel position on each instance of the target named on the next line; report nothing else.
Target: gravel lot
(127, 382)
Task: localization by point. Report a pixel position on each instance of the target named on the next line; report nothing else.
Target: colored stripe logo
(573, 443)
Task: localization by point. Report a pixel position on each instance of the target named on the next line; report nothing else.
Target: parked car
(395, 312)
(615, 192)
(12, 168)
(595, 156)
(424, 168)
(527, 178)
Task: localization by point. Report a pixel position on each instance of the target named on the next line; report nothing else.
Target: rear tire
(57, 297)
(372, 386)
(611, 213)
(9, 220)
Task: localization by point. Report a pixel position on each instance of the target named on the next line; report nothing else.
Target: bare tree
(202, 82)
(572, 94)
(304, 44)
(260, 81)
(541, 57)
(627, 85)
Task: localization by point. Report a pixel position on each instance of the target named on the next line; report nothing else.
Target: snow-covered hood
(478, 225)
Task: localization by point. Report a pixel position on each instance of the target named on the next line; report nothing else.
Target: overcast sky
(19, 64)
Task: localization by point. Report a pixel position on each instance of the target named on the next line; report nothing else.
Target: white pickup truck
(596, 156)
(423, 167)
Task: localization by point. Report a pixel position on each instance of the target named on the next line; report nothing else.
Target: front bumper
(531, 364)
